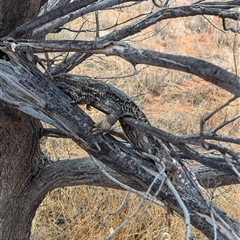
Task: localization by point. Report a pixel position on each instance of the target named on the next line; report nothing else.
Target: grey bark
(20, 161)
(27, 175)
(78, 126)
(205, 70)
(13, 13)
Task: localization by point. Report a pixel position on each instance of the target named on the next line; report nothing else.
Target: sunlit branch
(146, 194)
(230, 230)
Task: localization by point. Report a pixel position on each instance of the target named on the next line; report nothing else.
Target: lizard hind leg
(105, 125)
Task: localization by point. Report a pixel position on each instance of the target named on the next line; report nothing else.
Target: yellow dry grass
(173, 101)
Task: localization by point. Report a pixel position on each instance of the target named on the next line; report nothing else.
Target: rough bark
(20, 154)
(75, 123)
(21, 159)
(28, 180)
(13, 13)
(26, 175)
(82, 171)
(201, 68)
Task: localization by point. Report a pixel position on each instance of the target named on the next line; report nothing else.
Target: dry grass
(173, 101)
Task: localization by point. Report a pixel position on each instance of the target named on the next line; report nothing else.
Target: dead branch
(66, 116)
(201, 68)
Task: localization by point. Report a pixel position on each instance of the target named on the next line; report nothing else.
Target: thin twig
(175, 193)
(140, 194)
(232, 167)
(118, 209)
(224, 123)
(54, 132)
(229, 229)
(203, 120)
(214, 225)
(219, 108)
(214, 26)
(136, 209)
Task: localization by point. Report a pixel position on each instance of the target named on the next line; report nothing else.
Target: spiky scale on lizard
(116, 104)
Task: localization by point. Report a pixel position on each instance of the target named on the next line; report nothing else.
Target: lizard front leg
(105, 125)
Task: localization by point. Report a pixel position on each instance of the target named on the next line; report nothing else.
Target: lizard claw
(100, 128)
(88, 107)
(105, 125)
(96, 131)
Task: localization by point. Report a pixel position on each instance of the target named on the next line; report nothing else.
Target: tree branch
(30, 91)
(58, 22)
(206, 70)
(75, 172)
(181, 141)
(82, 171)
(48, 17)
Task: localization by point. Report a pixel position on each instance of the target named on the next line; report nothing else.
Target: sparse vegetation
(171, 100)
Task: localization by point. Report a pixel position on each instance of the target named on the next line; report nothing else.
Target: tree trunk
(20, 160)
(20, 154)
(24, 185)
(13, 13)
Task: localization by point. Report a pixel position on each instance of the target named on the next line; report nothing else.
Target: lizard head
(76, 87)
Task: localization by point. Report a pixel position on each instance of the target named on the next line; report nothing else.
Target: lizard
(116, 105)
